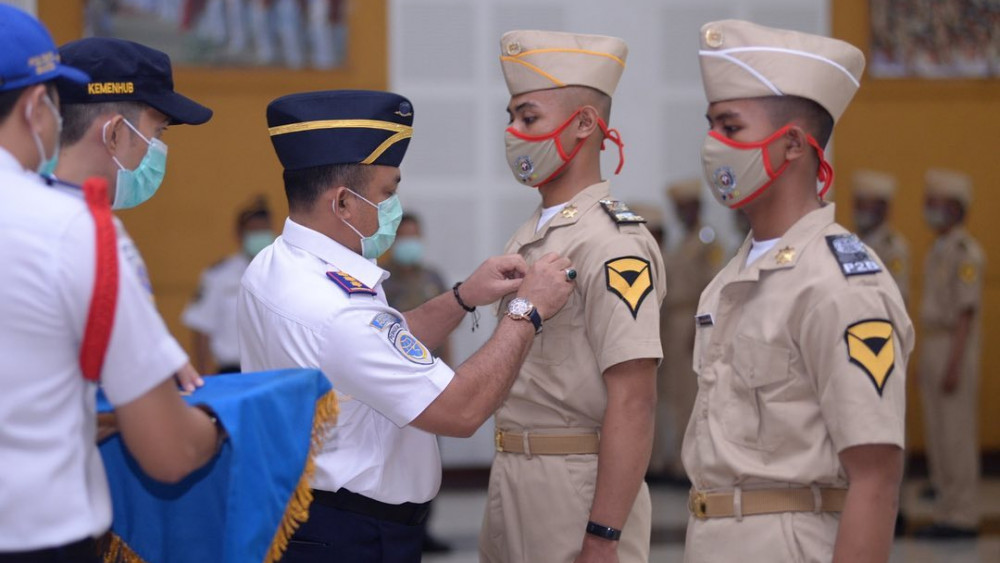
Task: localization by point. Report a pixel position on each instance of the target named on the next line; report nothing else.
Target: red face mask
(537, 159)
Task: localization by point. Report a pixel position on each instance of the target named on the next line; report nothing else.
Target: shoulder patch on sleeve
(629, 278)
(401, 339)
(620, 213)
(852, 255)
(967, 272)
(870, 347)
(349, 283)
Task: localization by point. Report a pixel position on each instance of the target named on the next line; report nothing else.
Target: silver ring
(570, 274)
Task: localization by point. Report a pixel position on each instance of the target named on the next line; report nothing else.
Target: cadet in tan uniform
(575, 433)
(690, 267)
(873, 196)
(794, 448)
(949, 355)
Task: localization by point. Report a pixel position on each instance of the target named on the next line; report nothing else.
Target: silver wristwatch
(520, 309)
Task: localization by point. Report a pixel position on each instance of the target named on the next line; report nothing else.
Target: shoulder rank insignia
(870, 347)
(349, 283)
(629, 278)
(620, 212)
(852, 255)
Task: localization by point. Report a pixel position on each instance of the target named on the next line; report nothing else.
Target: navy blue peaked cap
(125, 71)
(340, 127)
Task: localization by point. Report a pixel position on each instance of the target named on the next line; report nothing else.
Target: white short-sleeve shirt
(308, 301)
(213, 312)
(53, 489)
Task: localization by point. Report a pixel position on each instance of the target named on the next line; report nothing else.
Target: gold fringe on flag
(297, 510)
(117, 551)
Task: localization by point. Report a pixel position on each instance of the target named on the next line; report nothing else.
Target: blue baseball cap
(125, 71)
(28, 55)
(340, 127)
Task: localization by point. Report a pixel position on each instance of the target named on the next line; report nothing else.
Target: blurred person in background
(873, 197)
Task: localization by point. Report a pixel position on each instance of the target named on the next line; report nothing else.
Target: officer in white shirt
(211, 315)
(56, 343)
(314, 298)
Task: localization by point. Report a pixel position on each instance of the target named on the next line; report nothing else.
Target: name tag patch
(852, 255)
(704, 320)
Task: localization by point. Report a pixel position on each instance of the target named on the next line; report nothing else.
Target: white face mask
(739, 172)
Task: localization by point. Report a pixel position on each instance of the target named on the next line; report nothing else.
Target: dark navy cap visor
(180, 109)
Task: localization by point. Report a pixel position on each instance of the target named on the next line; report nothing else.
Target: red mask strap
(615, 137)
(825, 173)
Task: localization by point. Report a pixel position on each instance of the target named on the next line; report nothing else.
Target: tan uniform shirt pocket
(758, 373)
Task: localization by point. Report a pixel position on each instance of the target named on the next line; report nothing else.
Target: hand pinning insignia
(628, 277)
(870, 347)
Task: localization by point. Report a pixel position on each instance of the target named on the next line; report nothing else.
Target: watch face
(519, 306)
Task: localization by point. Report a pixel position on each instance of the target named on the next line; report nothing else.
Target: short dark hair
(77, 118)
(304, 186)
(784, 109)
(9, 98)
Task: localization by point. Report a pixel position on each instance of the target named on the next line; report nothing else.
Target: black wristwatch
(603, 532)
(521, 309)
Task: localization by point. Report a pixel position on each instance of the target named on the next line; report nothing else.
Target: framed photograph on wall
(284, 34)
(935, 39)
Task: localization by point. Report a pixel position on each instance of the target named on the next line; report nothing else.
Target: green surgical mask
(255, 241)
(390, 213)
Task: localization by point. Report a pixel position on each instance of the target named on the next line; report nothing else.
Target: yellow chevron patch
(870, 347)
(628, 277)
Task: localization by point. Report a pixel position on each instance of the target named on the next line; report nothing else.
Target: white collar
(9, 163)
(334, 253)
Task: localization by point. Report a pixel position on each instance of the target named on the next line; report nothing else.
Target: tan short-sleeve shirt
(799, 355)
(953, 279)
(612, 316)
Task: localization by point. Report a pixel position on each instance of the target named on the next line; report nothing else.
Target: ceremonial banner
(244, 505)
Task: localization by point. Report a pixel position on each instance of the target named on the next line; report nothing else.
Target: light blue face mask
(47, 165)
(133, 187)
(390, 213)
(409, 251)
(255, 241)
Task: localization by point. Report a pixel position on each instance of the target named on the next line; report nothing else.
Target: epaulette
(620, 213)
(852, 255)
(349, 283)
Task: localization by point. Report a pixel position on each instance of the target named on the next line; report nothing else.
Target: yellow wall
(215, 168)
(904, 127)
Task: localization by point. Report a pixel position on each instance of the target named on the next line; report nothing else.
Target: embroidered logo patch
(525, 168)
(870, 347)
(349, 283)
(401, 339)
(628, 277)
(852, 255)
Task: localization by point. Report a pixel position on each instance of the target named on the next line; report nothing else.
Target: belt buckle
(498, 439)
(698, 505)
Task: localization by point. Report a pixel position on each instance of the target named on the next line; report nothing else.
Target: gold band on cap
(576, 51)
(401, 131)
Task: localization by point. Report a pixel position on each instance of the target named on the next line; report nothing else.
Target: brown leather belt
(546, 444)
(765, 501)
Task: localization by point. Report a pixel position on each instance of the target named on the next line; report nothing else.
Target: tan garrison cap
(651, 213)
(869, 183)
(540, 60)
(952, 184)
(740, 59)
(685, 190)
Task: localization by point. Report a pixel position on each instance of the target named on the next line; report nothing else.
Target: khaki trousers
(538, 508)
(951, 429)
(787, 537)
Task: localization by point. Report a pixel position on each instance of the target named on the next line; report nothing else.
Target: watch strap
(536, 319)
(604, 532)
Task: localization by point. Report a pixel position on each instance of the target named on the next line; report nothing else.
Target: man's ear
(587, 122)
(795, 143)
(341, 200)
(33, 99)
(111, 133)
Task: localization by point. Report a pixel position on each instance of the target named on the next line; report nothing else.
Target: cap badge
(713, 38)
(513, 48)
(405, 109)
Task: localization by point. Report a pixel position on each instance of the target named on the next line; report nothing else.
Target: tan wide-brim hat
(541, 60)
(940, 182)
(740, 59)
(872, 184)
(685, 190)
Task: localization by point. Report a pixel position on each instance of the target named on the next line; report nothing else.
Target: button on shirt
(791, 367)
(292, 314)
(53, 488)
(213, 313)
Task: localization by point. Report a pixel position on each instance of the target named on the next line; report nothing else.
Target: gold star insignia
(569, 212)
(785, 255)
